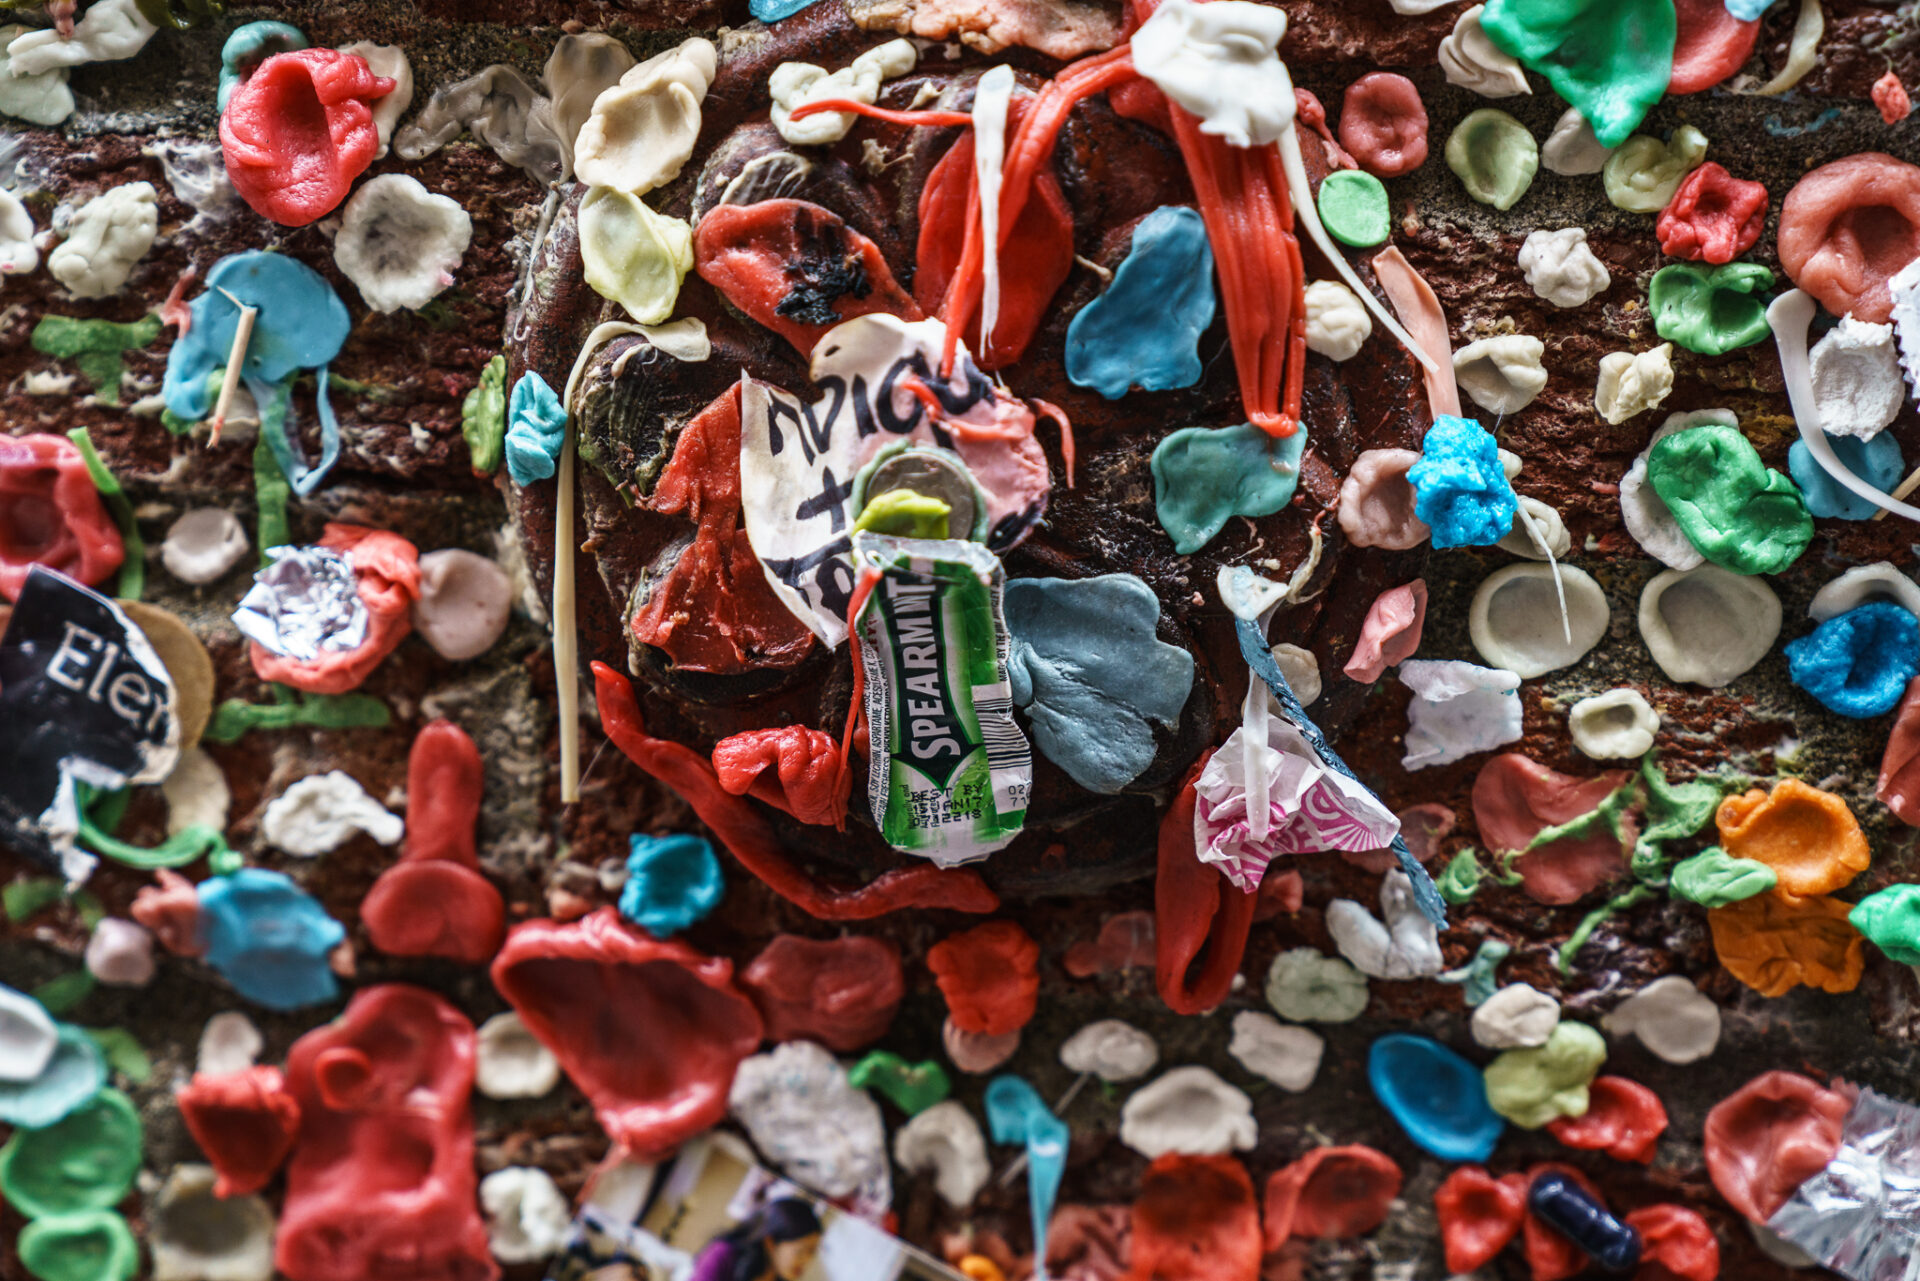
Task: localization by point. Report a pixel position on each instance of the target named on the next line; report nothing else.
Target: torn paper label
(85, 699)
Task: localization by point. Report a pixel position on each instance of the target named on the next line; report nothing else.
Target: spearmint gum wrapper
(951, 770)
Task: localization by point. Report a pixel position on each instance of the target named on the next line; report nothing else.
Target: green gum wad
(1610, 58)
(1462, 878)
(85, 1161)
(1533, 1086)
(1891, 919)
(1714, 878)
(95, 346)
(94, 1246)
(1203, 477)
(1642, 176)
(1494, 157)
(1711, 310)
(1353, 207)
(483, 417)
(905, 514)
(1740, 513)
(1673, 811)
(913, 1087)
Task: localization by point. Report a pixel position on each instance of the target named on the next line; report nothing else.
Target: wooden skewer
(1907, 486)
(566, 651)
(242, 335)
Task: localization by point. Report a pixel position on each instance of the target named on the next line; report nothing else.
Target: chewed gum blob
(1460, 488)
(1858, 663)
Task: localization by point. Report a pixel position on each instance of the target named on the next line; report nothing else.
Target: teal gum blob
(269, 938)
(672, 881)
(536, 429)
(1205, 476)
(1015, 1114)
(1144, 331)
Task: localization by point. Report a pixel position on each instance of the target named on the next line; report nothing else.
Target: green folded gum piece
(1673, 811)
(1531, 1087)
(483, 417)
(1643, 174)
(94, 1246)
(1462, 878)
(1741, 514)
(84, 1161)
(913, 1087)
(1714, 878)
(1710, 310)
(1610, 58)
(905, 513)
(1494, 157)
(95, 347)
(1890, 918)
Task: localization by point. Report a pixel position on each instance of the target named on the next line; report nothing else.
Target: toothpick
(236, 357)
(1013, 1171)
(566, 648)
(1907, 486)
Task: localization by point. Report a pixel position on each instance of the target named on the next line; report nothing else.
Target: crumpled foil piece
(1861, 1215)
(306, 601)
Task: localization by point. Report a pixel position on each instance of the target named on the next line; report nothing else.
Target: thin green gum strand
(133, 566)
(236, 717)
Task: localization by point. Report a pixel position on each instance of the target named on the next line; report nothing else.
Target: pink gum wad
(382, 1179)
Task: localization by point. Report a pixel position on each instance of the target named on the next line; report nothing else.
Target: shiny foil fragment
(1861, 1215)
(305, 602)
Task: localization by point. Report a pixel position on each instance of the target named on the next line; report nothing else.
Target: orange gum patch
(1808, 837)
(1774, 943)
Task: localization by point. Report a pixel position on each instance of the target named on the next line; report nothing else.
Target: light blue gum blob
(269, 938)
(1439, 1098)
(775, 10)
(1459, 487)
(301, 324)
(1094, 679)
(1144, 331)
(536, 428)
(1858, 663)
(1876, 461)
(1205, 476)
(1015, 1114)
(74, 1074)
(672, 881)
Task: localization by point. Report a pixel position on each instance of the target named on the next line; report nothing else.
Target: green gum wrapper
(951, 771)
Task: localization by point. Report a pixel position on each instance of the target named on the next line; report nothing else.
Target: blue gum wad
(775, 10)
(1876, 461)
(302, 324)
(672, 881)
(1858, 663)
(1438, 1098)
(1144, 331)
(74, 1074)
(1738, 512)
(1016, 1114)
(1610, 58)
(536, 428)
(1459, 487)
(1093, 677)
(269, 938)
(1205, 476)
(1891, 919)
(1710, 310)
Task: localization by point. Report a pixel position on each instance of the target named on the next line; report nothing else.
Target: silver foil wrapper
(306, 602)
(1861, 1215)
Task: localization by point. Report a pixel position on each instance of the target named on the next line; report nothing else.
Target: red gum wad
(649, 1029)
(51, 514)
(1331, 1192)
(1514, 799)
(1478, 1215)
(714, 610)
(781, 261)
(1713, 217)
(840, 992)
(434, 901)
(1770, 1136)
(244, 1121)
(990, 976)
(382, 1179)
(790, 767)
(1199, 917)
(299, 130)
(1195, 1220)
(1624, 1119)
